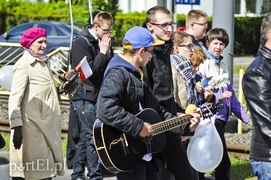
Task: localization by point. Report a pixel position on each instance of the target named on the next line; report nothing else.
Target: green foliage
(125, 21)
(247, 35)
(14, 12)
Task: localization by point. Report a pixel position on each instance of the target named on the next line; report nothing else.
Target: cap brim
(158, 42)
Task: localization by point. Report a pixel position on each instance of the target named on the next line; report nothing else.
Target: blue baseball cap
(140, 37)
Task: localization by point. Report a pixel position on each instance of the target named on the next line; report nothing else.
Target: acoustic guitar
(120, 152)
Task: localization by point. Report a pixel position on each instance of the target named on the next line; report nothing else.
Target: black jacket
(96, 60)
(120, 95)
(159, 74)
(257, 90)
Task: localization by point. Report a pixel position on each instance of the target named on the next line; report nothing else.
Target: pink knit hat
(31, 35)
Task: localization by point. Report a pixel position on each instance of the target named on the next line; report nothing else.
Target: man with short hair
(94, 42)
(158, 73)
(196, 25)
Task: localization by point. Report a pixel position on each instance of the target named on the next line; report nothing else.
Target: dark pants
(85, 151)
(223, 170)
(145, 171)
(74, 129)
(176, 160)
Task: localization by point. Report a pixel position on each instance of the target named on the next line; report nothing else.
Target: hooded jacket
(123, 95)
(97, 61)
(257, 90)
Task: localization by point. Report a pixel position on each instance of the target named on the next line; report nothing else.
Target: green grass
(6, 148)
(236, 69)
(240, 170)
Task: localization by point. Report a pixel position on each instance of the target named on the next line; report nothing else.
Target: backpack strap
(92, 49)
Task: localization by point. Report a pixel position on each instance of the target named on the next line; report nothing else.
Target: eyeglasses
(201, 24)
(189, 46)
(150, 51)
(106, 30)
(165, 25)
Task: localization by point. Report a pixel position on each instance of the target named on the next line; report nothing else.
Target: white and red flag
(84, 69)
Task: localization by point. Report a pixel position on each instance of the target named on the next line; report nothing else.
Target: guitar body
(119, 152)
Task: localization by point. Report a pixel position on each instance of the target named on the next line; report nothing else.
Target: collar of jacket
(31, 59)
(264, 51)
(164, 48)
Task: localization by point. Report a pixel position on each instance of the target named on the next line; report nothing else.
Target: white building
(244, 7)
(143, 5)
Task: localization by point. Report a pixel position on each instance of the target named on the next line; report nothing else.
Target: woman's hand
(195, 120)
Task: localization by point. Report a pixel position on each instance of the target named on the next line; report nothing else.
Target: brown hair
(198, 56)
(150, 15)
(219, 34)
(265, 27)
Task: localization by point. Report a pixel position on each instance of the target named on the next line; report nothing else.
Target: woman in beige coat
(34, 114)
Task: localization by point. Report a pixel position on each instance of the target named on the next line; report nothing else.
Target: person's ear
(149, 26)
(95, 26)
(141, 50)
(191, 26)
(175, 49)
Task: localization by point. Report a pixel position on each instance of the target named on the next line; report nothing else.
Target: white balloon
(205, 149)
(6, 74)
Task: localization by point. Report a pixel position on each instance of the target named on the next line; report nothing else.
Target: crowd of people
(158, 69)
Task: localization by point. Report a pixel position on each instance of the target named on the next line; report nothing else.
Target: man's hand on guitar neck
(194, 121)
(145, 133)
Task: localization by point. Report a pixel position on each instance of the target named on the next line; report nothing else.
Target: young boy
(216, 41)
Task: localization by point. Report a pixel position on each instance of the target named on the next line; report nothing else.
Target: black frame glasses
(189, 46)
(165, 25)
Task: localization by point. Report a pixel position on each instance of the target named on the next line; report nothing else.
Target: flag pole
(71, 37)
(90, 11)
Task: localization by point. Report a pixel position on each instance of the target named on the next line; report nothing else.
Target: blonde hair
(193, 15)
(179, 37)
(198, 56)
(103, 17)
(128, 50)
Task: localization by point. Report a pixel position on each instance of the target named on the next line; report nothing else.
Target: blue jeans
(85, 154)
(261, 169)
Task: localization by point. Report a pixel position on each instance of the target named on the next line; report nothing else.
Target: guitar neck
(169, 124)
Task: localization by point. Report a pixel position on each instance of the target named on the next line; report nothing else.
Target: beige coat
(34, 105)
(179, 90)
